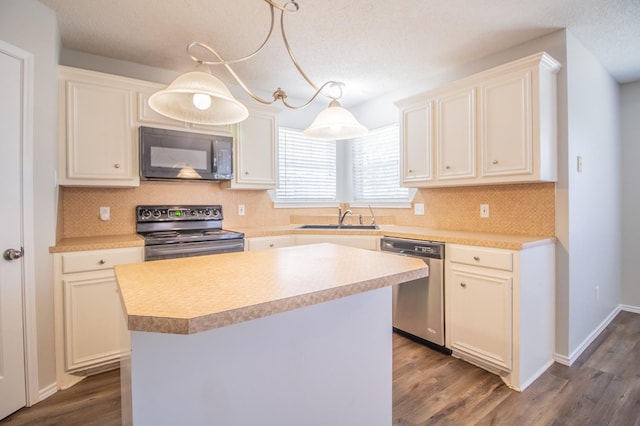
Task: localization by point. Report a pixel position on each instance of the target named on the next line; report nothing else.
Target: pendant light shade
(198, 97)
(335, 123)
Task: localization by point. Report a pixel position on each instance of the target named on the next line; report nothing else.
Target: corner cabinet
(91, 329)
(97, 135)
(256, 150)
(497, 126)
(500, 309)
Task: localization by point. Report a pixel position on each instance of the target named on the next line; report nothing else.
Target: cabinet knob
(495, 161)
(246, 172)
(102, 261)
(447, 167)
(271, 245)
(463, 285)
(476, 258)
(410, 171)
(117, 165)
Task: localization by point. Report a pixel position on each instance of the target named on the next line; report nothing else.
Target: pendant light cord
(279, 94)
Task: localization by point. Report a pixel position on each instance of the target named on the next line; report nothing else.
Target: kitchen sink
(334, 226)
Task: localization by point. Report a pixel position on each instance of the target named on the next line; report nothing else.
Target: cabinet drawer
(488, 258)
(99, 259)
(262, 243)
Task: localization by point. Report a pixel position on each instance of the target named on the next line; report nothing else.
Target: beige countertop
(97, 243)
(191, 295)
(511, 242)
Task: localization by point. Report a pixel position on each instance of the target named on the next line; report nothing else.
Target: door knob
(13, 254)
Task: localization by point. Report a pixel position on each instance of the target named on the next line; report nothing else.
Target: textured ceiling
(373, 46)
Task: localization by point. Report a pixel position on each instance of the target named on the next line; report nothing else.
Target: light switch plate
(240, 209)
(484, 210)
(418, 209)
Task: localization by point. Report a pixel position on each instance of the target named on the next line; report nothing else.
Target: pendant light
(199, 97)
(336, 123)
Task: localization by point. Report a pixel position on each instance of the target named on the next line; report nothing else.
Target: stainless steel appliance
(172, 154)
(184, 231)
(418, 306)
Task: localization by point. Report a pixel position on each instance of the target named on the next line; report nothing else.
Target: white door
(12, 361)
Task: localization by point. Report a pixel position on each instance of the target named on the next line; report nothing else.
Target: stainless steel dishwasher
(418, 306)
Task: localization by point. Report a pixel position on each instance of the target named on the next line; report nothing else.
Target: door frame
(28, 240)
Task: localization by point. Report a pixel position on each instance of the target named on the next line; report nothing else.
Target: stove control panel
(177, 213)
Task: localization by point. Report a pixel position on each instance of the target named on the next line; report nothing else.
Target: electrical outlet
(240, 209)
(418, 209)
(597, 292)
(579, 163)
(484, 210)
(105, 214)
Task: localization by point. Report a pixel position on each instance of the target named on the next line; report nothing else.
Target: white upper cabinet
(417, 137)
(456, 134)
(498, 126)
(256, 150)
(98, 141)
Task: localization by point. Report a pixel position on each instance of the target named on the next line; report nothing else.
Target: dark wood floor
(429, 388)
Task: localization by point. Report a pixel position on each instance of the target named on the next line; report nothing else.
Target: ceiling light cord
(202, 98)
(279, 93)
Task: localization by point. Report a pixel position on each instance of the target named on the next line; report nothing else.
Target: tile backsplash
(523, 209)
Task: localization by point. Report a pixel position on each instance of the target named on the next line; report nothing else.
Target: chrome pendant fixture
(199, 97)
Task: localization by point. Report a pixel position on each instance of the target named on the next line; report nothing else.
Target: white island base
(324, 364)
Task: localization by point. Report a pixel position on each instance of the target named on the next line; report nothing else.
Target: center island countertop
(196, 294)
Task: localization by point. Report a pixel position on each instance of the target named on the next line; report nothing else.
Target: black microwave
(173, 154)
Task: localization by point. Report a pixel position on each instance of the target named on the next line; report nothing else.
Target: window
(320, 173)
(376, 167)
(307, 168)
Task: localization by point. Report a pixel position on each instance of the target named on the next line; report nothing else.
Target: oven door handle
(184, 250)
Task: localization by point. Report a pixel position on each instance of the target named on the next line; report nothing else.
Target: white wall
(594, 195)
(31, 26)
(630, 101)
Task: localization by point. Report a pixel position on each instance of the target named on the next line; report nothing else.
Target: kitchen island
(291, 336)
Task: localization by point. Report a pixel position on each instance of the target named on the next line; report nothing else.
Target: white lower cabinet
(480, 320)
(91, 328)
(369, 242)
(500, 309)
(263, 243)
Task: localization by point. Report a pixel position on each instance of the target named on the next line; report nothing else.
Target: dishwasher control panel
(411, 247)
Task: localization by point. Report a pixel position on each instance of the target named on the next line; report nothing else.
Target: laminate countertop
(191, 295)
(481, 239)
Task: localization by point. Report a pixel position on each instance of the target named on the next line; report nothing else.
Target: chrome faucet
(373, 217)
(341, 215)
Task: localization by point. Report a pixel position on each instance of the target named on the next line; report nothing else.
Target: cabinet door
(100, 141)
(146, 115)
(456, 134)
(481, 316)
(94, 321)
(256, 153)
(506, 125)
(417, 143)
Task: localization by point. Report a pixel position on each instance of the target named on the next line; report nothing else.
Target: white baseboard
(629, 308)
(47, 391)
(568, 361)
